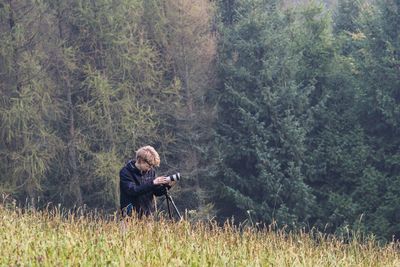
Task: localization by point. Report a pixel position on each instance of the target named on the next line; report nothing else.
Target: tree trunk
(75, 188)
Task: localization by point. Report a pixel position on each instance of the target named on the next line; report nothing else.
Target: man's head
(147, 158)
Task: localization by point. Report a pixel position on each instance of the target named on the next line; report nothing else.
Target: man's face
(144, 165)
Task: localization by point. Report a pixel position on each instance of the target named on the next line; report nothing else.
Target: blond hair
(149, 155)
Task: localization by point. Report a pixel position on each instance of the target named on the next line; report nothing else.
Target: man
(138, 183)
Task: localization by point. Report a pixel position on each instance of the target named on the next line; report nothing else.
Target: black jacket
(137, 189)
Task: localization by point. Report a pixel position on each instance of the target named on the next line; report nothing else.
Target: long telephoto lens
(174, 177)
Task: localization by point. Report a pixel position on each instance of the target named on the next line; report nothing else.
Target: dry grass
(33, 238)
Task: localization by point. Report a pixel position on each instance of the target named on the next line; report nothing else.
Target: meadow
(29, 237)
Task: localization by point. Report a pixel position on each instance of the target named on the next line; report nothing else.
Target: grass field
(33, 238)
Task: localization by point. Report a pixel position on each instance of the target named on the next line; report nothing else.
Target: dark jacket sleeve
(161, 190)
(129, 186)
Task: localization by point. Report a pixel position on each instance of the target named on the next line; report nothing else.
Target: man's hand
(160, 180)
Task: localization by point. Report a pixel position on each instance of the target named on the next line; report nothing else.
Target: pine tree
(112, 98)
(333, 139)
(191, 48)
(260, 137)
(181, 32)
(378, 60)
(27, 143)
(346, 15)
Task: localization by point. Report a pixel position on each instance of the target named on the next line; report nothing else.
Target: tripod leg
(173, 204)
(168, 207)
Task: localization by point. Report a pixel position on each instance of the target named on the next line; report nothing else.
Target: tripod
(169, 200)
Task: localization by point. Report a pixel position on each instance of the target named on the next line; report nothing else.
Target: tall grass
(54, 238)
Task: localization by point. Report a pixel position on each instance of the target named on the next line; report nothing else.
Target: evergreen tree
(260, 137)
(191, 47)
(378, 60)
(347, 168)
(335, 148)
(346, 14)
(112, 98)
(181, 32)
(27, 142)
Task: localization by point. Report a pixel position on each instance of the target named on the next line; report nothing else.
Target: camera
(174, 177)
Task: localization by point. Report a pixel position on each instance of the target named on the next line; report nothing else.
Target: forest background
(283, 112)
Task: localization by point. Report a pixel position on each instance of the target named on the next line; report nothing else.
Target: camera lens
(174, 177)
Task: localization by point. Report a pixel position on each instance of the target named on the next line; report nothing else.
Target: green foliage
(271, 111)
(82, 89)
(260, 137)
(338, 152)
(28, 142)
(354, 129)
(181, 30)
(346, 15)
(378, 59)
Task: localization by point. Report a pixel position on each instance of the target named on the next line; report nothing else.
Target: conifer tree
(346, 15)
(182, 33)
(260, 137)
(378, 61)
(191, 48)
(334, 142)
(27, 142)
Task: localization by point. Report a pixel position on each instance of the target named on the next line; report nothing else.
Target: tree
(111, 99)
(346, 15)
(335, 151)
(260, 137)
(28, 144)
(378, 61)
(191, 48)
(181, 32)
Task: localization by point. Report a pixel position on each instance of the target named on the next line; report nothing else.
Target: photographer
(139, 185)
